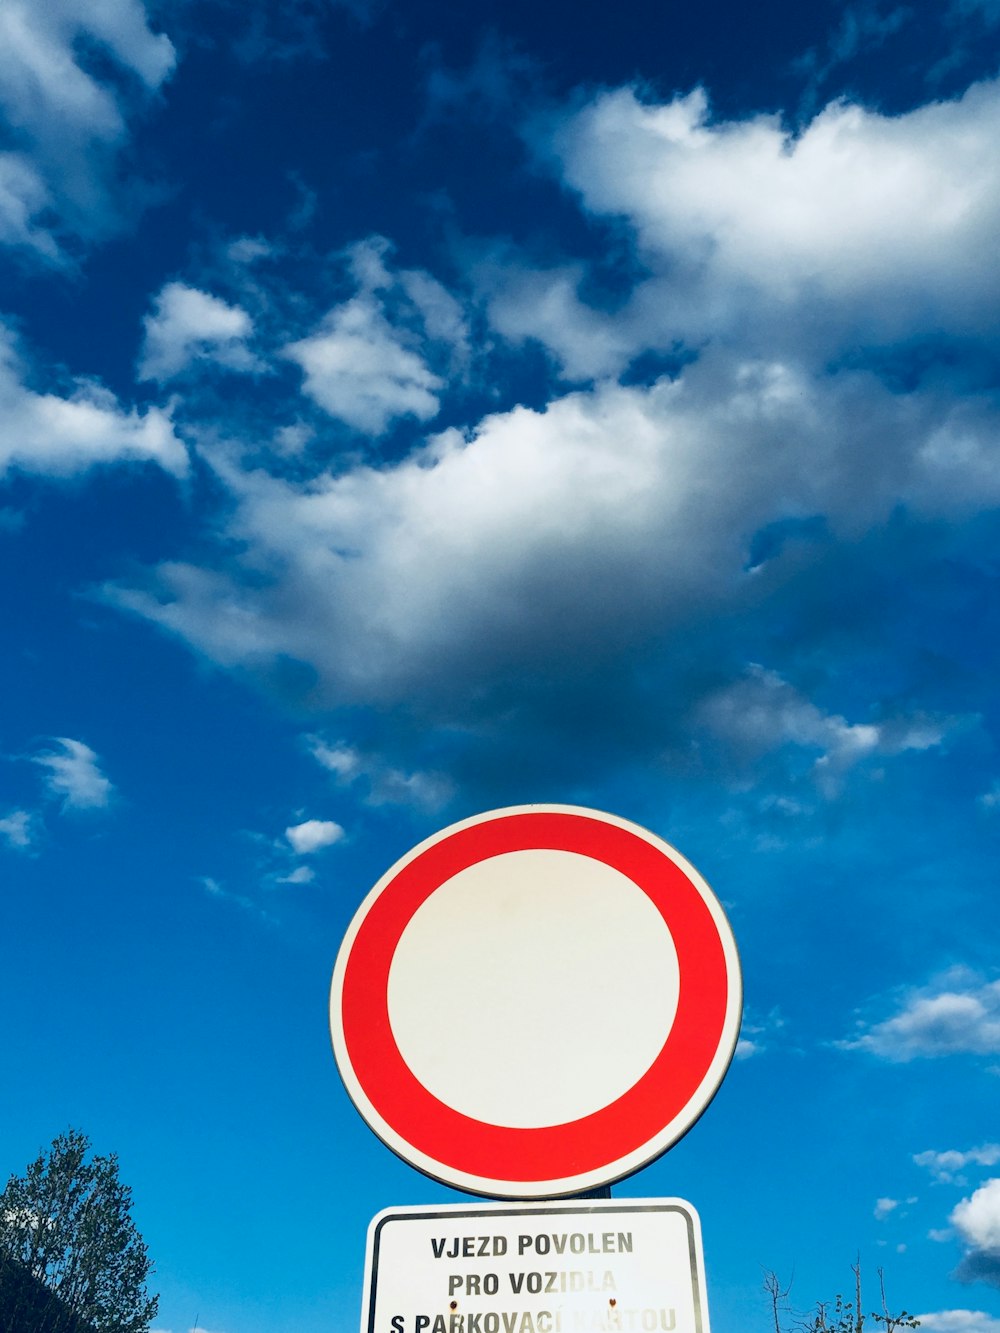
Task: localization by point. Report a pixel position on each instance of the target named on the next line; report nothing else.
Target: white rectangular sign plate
(632, 1266)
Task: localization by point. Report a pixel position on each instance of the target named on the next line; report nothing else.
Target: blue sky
(411, 409)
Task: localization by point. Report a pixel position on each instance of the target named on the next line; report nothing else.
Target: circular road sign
(536, 1001)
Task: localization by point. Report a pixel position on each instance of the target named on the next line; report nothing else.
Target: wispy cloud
(283, 861)
(762, 712)
(385, 784)
(758, 1035)
(862, 26)
(18, 829)
(947, 1166)
(215, 889)
(65, 122)
(293, 31)
(74, 776)
(11, 520)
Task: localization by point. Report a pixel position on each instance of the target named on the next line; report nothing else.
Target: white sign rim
(578, 1182)
(529, 1209)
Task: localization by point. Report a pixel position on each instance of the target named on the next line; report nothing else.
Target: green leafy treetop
(66, 1226)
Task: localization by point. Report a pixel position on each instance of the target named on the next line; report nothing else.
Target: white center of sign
(500, 987)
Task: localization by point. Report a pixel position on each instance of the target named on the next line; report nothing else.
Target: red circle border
(551, 1152)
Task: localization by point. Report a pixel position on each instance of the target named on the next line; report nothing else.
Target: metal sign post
(532, 1004)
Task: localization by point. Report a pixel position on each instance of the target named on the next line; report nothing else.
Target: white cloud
(959, 1321)
(368, 364)
(196, 1329)
(883, 1207)
(963, 1018)
(341, 759)
(188, 326)
(745, 1049)
(878, 219)
(947, 1166)
(538, 562)
(365, 372)
(300, 875)
(746, 230)
(66, 121)
(73, 775)
(17, 829)
(576, 534)
(545, 305)
(53, 435)
(312, 834)
(977, 1219)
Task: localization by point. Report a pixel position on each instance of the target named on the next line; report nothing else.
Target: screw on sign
(536, 1001)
